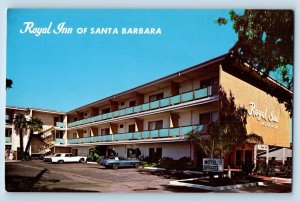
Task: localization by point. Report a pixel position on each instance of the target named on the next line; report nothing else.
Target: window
(55, 120)
(214, 116)
(131, 128)
(105, 131)
(158, 152)
(155, 125)
(155, 154)
(59, 134)
(8, 132)
(204, 118)
(214, 82)
(105, 111)
(151, 152)
(132, 103)
(122, 103)
(121, 126)
(75, 118)
(156, 97)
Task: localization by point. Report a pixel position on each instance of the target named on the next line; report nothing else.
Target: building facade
(53, 132)
(156, 119)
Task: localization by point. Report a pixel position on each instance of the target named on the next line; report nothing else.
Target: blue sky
(63, 72)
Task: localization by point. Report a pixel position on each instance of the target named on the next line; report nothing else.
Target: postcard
(116, 100)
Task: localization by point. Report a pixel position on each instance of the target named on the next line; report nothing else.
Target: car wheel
(115, 166)
(81, 160)
(60, 161)
(137, 165)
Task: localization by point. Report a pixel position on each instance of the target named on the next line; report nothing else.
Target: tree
(229, 131)
(35, 126)
(20, 124)
(265, 41)
(9, 83)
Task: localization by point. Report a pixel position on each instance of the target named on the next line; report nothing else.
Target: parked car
(116, 162)
(47, 158)
(67, 158)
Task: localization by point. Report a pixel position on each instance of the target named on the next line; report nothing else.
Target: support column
(113, 106)
(174, 89)
(283, 156)
(94, 131)
(267, 155)
(95, 111)
(255, 155)
(139, 125)
(174, 120)
(113, 128)
(139, 99)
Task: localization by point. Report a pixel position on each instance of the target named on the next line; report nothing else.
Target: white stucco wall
(175, 150)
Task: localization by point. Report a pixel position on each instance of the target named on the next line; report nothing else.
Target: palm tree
(20, 124)
(35, 126)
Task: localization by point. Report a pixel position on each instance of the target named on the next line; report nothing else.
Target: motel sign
(213, 165)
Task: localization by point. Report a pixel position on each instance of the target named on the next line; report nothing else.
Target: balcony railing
(188, 96)
(59, 141)
(60, 124)
(8, 139)
(154, 134)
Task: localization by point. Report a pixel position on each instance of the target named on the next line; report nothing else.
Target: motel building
(156, 118)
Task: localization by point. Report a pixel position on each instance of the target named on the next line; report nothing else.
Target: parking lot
(40, 176)
(37, 176)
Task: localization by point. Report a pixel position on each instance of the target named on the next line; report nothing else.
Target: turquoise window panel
(175, 99)
(164, 132)
(187, 96)
(164, 102)
(145, 107)
(145, 134)
(174, 132)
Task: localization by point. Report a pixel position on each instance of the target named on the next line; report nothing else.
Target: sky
(66, 71)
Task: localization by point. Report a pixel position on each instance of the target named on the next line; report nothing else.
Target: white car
(67, 158)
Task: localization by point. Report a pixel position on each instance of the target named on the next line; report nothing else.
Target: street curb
(219, 188)
(154, 168)
(12, 161)
(94, 163)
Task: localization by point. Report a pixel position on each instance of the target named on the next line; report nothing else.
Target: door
(248, 157)
(75, 152)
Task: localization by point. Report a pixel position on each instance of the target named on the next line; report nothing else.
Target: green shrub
(286, 170)
(95, 155)
(265, 169)
(247, 168)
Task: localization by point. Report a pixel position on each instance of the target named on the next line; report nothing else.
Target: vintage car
(47, 158)
(116, 162)
(67, 158)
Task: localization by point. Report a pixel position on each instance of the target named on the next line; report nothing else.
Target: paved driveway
(40, 176)
(37, 176)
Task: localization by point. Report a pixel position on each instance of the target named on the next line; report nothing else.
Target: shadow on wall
(227, 132)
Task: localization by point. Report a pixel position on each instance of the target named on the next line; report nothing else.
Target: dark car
(116, 162)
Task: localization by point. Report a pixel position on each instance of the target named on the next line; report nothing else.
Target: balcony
(60, 124)
(143, 135)
(8, 140)
(59, 141)
(181, 98)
